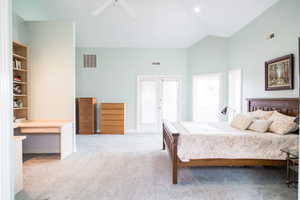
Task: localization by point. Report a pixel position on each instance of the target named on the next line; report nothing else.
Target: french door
(159, 98)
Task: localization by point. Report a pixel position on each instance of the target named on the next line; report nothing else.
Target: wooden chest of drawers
(86, 116)
(112, 118)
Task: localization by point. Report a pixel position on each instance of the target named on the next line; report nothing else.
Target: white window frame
(6, 116)
(241, 90)
(195, 77)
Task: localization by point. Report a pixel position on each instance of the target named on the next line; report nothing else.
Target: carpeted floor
(133, 167)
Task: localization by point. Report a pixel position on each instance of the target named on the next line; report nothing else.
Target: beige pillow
(261, 114)
(241, 121)
(260, 125)
(283, 127)
(276, 116)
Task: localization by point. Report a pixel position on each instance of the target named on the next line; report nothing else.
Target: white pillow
(283, 127)
(241, 121)
(276, 116)
(261, 114)
(260, 125)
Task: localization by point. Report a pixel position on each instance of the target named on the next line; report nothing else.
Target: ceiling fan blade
(127, 8)
(102, 8)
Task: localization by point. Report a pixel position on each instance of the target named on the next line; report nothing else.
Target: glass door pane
(169, 100)
(148, 102)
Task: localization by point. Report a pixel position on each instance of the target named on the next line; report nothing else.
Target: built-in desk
(63, 129)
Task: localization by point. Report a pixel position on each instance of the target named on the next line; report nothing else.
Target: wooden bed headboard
(287, 106)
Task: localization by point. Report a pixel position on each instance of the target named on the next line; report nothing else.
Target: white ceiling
(159, 23)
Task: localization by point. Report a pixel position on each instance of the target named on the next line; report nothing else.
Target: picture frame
(279, 73)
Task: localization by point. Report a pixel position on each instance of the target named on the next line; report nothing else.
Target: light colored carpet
(133, 167)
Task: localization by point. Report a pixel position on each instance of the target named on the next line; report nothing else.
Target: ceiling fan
(121, 3)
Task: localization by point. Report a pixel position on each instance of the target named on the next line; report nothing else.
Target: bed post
(174, 158)
(163, 137)
(164, 147)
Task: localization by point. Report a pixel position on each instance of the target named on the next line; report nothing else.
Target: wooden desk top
(19, 138)
(42, 124)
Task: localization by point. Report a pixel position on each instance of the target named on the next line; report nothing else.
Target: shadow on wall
(24, 196)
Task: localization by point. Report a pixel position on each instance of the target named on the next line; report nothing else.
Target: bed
(264, 148)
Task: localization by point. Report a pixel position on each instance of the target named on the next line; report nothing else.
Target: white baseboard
(131, 131)
(126, 131)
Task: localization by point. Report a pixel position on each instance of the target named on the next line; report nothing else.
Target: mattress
(220, 141)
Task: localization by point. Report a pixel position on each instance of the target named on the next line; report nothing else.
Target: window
(234, 91)
(206, 97)
(170, 98)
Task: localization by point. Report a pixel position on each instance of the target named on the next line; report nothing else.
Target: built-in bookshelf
(20, 78)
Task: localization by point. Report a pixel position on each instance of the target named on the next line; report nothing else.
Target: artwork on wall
(279, 73)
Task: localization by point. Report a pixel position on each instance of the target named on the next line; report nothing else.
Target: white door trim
(159, 77)
(6, 126)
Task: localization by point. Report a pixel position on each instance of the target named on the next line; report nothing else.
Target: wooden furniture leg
(175, 159)
(288, 169)
(170, 140)
(164, 146)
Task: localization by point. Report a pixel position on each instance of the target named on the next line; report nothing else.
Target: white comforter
(219, 140)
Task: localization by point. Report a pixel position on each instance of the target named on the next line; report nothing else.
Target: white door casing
(6, 116)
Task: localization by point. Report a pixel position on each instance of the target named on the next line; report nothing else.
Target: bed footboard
(170, 139)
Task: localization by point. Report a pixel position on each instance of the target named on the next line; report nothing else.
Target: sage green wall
(19, 29)
(207, 56)
(249, 48)
(115, 78)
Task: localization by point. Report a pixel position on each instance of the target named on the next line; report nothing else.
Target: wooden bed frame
(288, 106)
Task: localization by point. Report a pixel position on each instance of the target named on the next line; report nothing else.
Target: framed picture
(279, 73)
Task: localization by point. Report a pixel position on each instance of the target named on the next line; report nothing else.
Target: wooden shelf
(20, 53)
(20, 82)
(24, 108)
(20, 57)
(20, 70)
(18, 44)
(20, 95)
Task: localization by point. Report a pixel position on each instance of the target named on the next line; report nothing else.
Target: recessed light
(197, 9)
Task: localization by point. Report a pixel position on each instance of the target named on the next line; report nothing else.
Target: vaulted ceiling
(158, 23)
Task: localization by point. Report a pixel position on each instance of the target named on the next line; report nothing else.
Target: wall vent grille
(89, 61)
